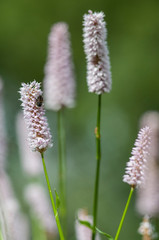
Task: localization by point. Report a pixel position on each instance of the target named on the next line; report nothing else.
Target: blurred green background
(133, 40)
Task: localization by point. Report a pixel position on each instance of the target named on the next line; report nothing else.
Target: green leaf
(105, 234)
(57, 200)
(86, 223)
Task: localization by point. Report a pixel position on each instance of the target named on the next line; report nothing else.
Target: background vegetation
(133, 40)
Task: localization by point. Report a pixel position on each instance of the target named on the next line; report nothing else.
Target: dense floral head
(38, 131)
(97, 55)
(59, 83)
(134, 174)
(147, 201)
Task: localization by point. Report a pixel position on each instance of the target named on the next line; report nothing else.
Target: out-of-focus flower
(3, 230)
(146, 229)
(83, 232)
(134, 173)
(148, 194)
(97, 55)
(2, 130)
(31, 161)
(15, 223)
(38, 131)
(40, 207)
(59, 84)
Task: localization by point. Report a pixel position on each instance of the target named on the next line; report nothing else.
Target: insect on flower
(39, 135)
(39, 101)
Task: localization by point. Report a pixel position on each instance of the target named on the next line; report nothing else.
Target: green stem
(62, 166)
(52, 200)
(124, 213)
(98, 158)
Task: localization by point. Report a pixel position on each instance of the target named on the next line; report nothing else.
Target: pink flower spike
(147, 201)
(97, 54)
(39, 136)
(59, 83)
(134, 173)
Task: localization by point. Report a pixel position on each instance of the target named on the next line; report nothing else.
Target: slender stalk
(62, 167)
(52, 200)
(124, 213)
(98, 158)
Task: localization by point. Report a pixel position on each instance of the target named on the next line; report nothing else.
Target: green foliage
(57, 200)
(87, 224)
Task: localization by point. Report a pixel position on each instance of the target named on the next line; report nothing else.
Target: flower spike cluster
(97, 55)
(134, 174)
(34, 114)
(59, 83)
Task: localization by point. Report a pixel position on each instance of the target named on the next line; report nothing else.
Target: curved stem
(62, 167)
(52, 200)
(98, 158)
(124, 213)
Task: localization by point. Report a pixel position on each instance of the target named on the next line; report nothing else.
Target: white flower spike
(147, 201)
(59, 83)
(134, 173)
(97, 55)
(39, 136)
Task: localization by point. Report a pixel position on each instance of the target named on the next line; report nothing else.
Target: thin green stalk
(52, 200)
(62, 167)
(98, 158)
(124, 213)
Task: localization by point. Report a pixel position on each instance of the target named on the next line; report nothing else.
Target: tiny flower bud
(146, 229)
